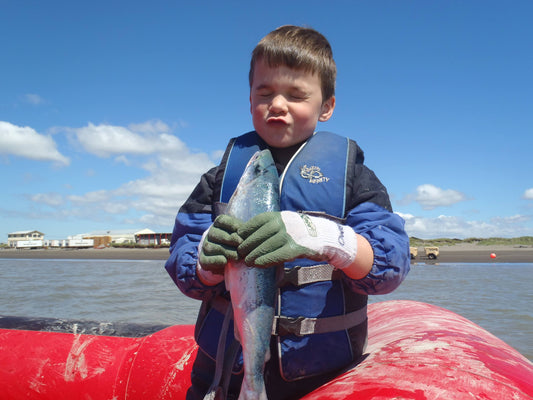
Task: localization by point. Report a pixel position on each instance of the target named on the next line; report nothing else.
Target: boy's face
(286, 104)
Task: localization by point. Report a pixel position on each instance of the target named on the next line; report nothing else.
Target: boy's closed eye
(295, 95)
(299, 95)
(265, 93)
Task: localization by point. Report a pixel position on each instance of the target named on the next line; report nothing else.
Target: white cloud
(528, 194)
(217, 155)
(154, 126)
(430, 196)
(172, 171)
(51, 199)
(147, 138)
(445, 226)
(122, 160)
(34, 99)
(99, 196)
(26, 142)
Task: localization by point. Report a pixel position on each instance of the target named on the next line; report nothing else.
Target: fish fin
(215, 393)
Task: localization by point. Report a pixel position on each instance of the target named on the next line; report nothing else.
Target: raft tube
(415, 351)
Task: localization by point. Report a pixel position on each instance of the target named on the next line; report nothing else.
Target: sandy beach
(109, 253)
(471, 253)
(461, 253)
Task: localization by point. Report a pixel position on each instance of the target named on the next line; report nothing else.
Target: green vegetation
(416, 242)
(518, 241)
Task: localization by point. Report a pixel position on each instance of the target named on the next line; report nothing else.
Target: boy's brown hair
(298, 48)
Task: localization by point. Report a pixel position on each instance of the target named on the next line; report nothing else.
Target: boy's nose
(278, 104)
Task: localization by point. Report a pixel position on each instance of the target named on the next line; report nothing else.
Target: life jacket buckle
(288, 275)
(289, 326)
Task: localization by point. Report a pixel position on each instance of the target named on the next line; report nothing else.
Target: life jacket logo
(313, 174)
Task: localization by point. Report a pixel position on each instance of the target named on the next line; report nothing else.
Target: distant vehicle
(432, 252)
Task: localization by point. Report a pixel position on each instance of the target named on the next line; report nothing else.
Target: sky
(110, 111)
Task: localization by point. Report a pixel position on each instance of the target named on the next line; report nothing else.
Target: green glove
(219, 245)
(273, 238)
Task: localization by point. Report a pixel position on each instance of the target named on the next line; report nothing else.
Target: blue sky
(111, 110)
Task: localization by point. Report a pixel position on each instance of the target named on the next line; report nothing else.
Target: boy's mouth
(276, 121)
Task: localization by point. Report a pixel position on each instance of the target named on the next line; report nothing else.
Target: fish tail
(258, 392)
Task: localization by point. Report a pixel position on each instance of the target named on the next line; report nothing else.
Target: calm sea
(496, 296)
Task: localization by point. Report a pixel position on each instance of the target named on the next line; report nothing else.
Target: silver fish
(253, 290)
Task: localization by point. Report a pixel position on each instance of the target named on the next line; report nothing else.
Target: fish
(253, 290)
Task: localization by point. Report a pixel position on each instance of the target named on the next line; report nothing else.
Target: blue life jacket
(318, 317)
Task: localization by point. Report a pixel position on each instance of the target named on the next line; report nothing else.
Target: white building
(106, 237)
(143, 237)
(149, 237)
(33, 239)
(25, 239)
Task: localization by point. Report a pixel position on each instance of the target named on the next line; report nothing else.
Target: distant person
(344, 240)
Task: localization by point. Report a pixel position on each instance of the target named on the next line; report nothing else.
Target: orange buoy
(492, 255)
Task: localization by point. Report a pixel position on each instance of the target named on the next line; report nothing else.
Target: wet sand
(462, 253)
(469, 253)
(88, 254)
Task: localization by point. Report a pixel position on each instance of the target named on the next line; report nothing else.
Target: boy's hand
(273, 238)
(220, 244)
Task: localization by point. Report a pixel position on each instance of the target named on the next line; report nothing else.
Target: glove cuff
(206, 277)
(336, 243)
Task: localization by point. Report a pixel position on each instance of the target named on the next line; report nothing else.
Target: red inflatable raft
(415, 351)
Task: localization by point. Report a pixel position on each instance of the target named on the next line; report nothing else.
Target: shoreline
(108, 253)
(462, 253)
(468, 253)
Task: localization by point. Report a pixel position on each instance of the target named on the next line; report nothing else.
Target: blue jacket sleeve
(371, 216)
(384, 231)
(193, 219)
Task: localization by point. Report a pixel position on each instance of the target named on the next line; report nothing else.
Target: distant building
(106, 237)
(148, 237)
(35, 239)
(143, 237)
(25, 239)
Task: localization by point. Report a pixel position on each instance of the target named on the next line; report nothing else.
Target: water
(496, 296)
(100, 290)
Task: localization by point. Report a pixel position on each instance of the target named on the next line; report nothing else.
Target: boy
(336, 235)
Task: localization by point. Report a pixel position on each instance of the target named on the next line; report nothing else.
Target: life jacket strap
(301, 326)
(224, 362)
(298, 275)
(306, 326)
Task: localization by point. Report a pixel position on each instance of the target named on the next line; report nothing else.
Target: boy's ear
(327, 109)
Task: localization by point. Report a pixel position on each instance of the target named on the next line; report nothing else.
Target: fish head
(258, 188)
